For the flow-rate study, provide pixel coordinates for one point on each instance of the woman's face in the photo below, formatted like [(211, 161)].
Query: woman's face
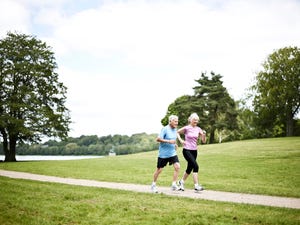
[(194, 122)]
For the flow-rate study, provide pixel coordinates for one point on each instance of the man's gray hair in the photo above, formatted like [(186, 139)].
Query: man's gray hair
[(173, 117)]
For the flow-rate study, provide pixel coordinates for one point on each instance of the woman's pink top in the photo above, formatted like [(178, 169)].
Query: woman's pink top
[(191, 135)]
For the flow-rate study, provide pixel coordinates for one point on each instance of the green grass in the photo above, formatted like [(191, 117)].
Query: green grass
[(40, 203), (266, 166), (263, 166)]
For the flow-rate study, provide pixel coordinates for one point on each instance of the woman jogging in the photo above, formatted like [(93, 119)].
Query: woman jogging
[(191, 133)]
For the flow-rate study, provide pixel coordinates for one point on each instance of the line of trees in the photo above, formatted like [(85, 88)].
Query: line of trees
[(91, 145)]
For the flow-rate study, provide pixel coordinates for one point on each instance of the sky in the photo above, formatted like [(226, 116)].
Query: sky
[(124, 62)]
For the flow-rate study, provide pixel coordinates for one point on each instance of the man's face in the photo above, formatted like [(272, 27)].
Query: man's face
[(174, 123)]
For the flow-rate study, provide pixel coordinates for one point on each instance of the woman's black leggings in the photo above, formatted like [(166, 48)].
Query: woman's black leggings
[(191, 156)]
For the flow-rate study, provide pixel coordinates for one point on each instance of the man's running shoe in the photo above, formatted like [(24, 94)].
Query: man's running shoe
[(174, 187), (154, 188), (181, 185), (198, 188)]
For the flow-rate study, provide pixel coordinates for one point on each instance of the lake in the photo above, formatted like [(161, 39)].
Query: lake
[(51, 157)]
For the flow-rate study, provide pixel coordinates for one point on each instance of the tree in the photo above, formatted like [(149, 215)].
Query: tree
[(246, 118), (215, 104), (277, 92), (88, 140), (180, 107), (211, 102), (31, 97)]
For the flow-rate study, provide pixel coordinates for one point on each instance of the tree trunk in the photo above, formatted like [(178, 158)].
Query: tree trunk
[(10, 156), (10, 150), (289, 125), (5, 142), (212, 136)]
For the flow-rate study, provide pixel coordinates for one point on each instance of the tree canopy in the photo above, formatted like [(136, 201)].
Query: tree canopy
[(213, 104), (32, 100), (277, 92)]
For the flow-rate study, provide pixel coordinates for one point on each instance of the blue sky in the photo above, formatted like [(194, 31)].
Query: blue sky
[(124, 62)]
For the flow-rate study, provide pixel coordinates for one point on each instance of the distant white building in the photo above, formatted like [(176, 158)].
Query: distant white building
[(112, 152)]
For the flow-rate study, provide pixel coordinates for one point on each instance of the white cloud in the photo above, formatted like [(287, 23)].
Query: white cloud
[(103, 104), (13, 17)]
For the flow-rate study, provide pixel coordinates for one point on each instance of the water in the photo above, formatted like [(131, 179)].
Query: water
[(51, 157)]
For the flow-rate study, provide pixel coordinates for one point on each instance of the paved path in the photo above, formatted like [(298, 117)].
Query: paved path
[(206, 194)]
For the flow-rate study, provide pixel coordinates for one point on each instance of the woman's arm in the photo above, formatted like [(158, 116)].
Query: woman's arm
[(180, 131), (203, 136)]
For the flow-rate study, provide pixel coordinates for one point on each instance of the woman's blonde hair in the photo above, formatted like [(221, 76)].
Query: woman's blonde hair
[(193, 116)]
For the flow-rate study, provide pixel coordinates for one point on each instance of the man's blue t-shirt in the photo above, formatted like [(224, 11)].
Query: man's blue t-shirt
[(167, 150)]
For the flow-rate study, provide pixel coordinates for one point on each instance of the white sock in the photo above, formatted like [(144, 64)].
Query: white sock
[(153, 183), (174, 183)]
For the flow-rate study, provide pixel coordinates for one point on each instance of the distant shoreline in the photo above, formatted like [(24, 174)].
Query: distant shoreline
[(51, 157)]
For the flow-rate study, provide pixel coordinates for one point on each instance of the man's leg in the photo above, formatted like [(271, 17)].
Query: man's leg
[(176, 171), (156, 174)]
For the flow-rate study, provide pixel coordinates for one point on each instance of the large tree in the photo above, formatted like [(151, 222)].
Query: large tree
[(32, 100), (216, 105), (211, 102), (277, 92)]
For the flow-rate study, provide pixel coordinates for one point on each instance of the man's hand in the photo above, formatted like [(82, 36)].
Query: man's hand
[(172, 141)]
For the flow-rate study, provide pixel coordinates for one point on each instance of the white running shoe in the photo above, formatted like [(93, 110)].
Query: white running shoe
[(181, 185), (199, 187), (174, 187), (154, 188)]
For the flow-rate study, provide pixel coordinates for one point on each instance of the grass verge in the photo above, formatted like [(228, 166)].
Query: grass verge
[(33, 203)]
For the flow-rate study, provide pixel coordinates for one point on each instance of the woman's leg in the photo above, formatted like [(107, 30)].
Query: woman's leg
[(191, 157), (188, 167)]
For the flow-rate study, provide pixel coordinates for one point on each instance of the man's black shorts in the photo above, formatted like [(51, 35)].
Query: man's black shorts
[(162, 162)]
